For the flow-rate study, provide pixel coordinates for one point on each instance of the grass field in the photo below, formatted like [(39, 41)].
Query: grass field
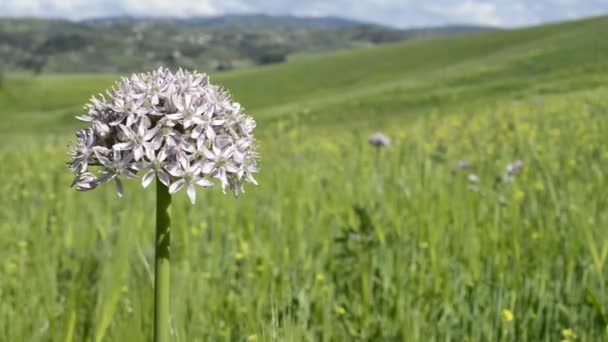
[(340, 242)]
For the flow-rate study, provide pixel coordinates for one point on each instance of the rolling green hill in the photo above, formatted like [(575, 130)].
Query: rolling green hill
[(391, 81), (124, 44)]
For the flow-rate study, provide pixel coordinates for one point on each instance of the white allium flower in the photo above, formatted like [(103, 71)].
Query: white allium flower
[(177, 127), (514, 168), (464, 164), (379, 140), (473, 178)]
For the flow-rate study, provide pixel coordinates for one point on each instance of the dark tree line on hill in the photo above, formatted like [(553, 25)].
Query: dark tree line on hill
[(128, 44)]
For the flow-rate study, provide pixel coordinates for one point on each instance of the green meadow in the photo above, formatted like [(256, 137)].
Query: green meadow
[(341, 241)]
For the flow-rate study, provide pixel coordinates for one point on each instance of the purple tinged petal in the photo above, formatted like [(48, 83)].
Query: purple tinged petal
[(154, 144), (170, 141), (126, 130), (231, 168), (175, 171), (162, 155), (222, 141), (196, 169), (150, 154), (157, 141), (118, 120), (197, 131), (250, 178), (175, 187), (175, 116), (221, 175), (84, 118), (216, 150), (141, 128), (184, 162), (142, 111), (178, 103), (188, 148), (130, 119), (191, 193), (208, 154), (208, 167), (164, 177), (147, 178), (129, 174), (151, 133), (138, 152), (104, 161), (123, 146), (210, 133), (204, 182)]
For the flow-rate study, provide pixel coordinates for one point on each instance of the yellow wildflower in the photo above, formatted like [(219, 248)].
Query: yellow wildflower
[(507, 315), (195, 232), (539, 186), (341, 311), (569, 335), (320, 277), (519, 195)]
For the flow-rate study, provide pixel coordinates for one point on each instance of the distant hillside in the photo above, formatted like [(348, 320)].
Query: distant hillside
[(249, 21), (393, 82), (125, 44)]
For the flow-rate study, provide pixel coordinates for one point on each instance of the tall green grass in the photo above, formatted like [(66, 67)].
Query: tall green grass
[(340, 242)]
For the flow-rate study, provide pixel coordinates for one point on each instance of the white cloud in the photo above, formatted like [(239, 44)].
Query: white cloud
[(78, 9), (469, 11), (402, 13), (22, 7), (170, 8)]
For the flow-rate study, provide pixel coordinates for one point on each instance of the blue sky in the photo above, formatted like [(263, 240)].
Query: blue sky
[(399, 13)]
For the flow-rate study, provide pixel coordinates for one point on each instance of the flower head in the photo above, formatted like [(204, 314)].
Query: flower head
[(514, 168), (568, 335), (464, 164), (379, 140), (177, 127), (507, 315)]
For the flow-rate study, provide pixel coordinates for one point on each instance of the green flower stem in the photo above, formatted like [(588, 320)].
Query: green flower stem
[(162, 275)]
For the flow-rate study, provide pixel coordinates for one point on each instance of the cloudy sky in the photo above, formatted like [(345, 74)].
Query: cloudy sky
[(399, 13)]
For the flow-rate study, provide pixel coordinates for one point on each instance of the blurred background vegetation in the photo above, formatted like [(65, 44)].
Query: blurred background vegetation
[(215, 43)]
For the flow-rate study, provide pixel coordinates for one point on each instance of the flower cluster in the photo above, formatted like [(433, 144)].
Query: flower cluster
[(514, 168), (464, 164), (177, 127), (379, 140)]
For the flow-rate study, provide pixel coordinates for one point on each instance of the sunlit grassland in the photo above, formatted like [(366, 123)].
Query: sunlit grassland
[(340, 242), (435, 261)]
